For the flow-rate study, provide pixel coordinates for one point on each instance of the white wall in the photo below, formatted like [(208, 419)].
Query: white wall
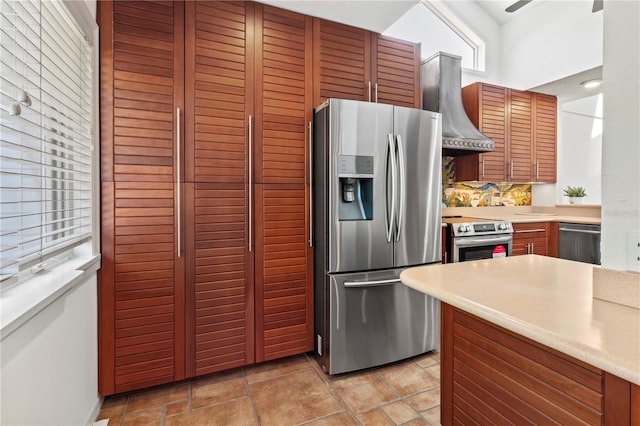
[(50, 364), (580, 148), (487, 29), (554, 40), (621, 137)]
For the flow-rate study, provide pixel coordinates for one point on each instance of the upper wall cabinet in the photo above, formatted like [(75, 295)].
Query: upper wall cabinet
[(545, 136), (352, 63), (396, 71), (523, 126)]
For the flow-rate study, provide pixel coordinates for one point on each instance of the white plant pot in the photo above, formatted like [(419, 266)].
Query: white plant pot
[(575, 200)]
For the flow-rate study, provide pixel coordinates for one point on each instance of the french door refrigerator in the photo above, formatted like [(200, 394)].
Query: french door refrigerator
[(376, 205)]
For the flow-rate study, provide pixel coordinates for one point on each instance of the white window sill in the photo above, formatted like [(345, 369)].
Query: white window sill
[(21, 302)]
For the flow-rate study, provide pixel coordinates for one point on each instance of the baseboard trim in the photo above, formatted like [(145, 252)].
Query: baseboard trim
[(93, 414)]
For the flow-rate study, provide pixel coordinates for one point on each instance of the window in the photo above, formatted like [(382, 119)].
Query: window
[(439, 30), (46, 136)]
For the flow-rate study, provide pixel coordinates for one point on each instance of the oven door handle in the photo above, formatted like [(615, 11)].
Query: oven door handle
[(470, 241)]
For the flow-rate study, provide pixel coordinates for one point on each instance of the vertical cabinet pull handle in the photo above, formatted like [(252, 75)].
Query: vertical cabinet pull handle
[(250, 183), (369, 91), (376, 92), (310, 184), (178, 184), (511, 171), (482, 167)]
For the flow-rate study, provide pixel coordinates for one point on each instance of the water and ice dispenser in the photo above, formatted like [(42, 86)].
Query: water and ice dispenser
[(356, 187)]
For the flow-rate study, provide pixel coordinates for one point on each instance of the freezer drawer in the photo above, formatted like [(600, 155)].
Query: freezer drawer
[(373, 319)]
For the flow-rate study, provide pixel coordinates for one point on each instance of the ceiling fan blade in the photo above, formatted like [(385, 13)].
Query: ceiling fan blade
[(517, 5), (597, 5)]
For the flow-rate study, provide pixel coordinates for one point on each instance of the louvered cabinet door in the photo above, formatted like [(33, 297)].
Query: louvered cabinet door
[(141, 309), (283, 95), (219, 279), (284, 290), (396, 72), (342, 62), (545, 135), (487, 108), (283, 284), (520, 136), (218, 90), (219, 106)]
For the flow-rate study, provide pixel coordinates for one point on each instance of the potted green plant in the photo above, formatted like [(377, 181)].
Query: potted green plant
[(575, 194)]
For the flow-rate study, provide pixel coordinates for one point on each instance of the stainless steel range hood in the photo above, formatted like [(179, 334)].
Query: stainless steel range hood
[(441, 79)]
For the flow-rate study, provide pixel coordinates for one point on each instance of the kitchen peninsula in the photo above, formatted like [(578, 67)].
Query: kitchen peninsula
[(523, 340)]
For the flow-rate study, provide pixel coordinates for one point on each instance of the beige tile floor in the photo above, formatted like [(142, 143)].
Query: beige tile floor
[(291, 391)]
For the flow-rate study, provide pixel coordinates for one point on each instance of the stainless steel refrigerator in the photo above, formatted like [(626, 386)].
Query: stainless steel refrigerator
[(376, 205)]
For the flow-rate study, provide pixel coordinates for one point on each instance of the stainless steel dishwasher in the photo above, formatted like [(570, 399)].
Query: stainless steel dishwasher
[(579, 242)]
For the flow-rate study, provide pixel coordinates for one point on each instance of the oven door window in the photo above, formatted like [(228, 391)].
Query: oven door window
[(482, 252)]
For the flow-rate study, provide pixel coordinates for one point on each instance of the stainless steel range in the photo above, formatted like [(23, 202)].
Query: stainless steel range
[(473, 238)]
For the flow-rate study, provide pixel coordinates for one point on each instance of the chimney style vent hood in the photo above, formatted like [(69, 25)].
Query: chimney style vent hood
[(441, 79)]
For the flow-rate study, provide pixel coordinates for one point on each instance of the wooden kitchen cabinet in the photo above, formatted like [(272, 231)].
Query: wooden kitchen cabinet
[(352, 63), (531, 238), (283, 266), (523, 126), (487, 107), (251, 99), (396, 71), (545, 138), (283, 271), (188, 142), (493, 375), (141, 281)]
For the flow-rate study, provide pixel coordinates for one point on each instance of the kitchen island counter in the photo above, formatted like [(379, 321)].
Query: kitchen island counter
[(545, 299), (524, 342)]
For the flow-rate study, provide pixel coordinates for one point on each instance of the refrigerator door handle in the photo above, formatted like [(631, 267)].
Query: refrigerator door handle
[(391, 160), (402, 185), (370, 283)]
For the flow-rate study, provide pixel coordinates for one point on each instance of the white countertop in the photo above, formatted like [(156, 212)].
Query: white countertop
[(546, 299), (585, 214), (542, 217)]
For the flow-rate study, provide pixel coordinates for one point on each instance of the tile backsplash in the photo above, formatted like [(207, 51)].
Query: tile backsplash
[(480, 194)]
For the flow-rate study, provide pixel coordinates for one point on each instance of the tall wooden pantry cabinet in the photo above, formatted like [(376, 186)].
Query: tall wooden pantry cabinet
[(205, 136), (207, 264)]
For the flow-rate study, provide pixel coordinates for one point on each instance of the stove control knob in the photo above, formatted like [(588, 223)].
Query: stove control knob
[(502, 226), (463, 228)]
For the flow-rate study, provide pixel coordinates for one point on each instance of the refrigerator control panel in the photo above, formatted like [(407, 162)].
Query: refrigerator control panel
[(355, 166)]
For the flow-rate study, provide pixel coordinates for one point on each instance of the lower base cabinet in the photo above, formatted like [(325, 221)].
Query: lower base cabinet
[(283, 271), (493, 376), (531, 238), (249, 301)]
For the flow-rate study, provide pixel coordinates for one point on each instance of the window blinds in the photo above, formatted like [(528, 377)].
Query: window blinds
[(45, 151)]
